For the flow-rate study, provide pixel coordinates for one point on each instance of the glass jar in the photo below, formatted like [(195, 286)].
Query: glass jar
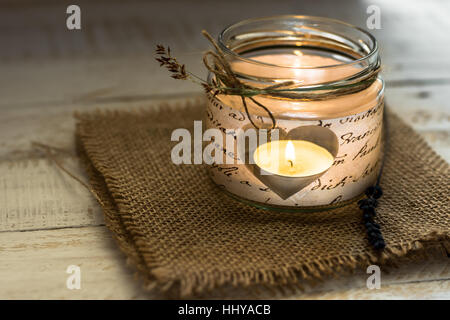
[(331, 96)]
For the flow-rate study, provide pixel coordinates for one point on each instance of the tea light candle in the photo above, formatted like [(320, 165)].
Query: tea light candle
[(295, 158)]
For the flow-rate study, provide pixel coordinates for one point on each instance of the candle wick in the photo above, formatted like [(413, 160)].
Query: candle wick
[(291, 163)]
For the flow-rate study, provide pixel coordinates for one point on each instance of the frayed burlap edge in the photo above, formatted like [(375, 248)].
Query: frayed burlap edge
[(433, 243)]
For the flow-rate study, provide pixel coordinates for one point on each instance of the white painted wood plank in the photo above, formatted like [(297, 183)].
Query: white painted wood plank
[(427, 110), (43, 62), (34, 267), (403, 24), (34, 192), (438, 290), (58, 82)]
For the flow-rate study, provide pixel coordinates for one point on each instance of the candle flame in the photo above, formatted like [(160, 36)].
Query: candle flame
[(289, 152)]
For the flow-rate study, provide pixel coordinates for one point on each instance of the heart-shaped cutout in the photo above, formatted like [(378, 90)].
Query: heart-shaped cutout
[(286, 186)]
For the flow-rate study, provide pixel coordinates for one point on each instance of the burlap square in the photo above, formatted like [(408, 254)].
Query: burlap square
[(184, 235)]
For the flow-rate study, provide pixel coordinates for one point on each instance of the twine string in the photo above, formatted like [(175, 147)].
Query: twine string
[(48, 151), (229, 84), (224, 74)]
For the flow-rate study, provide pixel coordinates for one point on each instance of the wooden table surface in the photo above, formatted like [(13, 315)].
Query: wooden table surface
[(48, 221)]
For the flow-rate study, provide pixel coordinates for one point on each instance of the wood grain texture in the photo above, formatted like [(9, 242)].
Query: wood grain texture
[(48, 221), (43, 62), (34, 266)]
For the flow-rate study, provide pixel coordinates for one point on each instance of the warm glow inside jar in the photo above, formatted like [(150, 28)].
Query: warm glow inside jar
[(330, 115)]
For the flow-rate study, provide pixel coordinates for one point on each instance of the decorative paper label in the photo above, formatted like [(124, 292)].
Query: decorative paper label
[(354, 169)]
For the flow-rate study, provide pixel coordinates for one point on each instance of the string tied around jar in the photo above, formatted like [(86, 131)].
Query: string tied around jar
[(233, 86), (226, 82)]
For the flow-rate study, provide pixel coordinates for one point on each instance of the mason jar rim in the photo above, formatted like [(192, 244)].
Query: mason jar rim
[(221, 41)]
